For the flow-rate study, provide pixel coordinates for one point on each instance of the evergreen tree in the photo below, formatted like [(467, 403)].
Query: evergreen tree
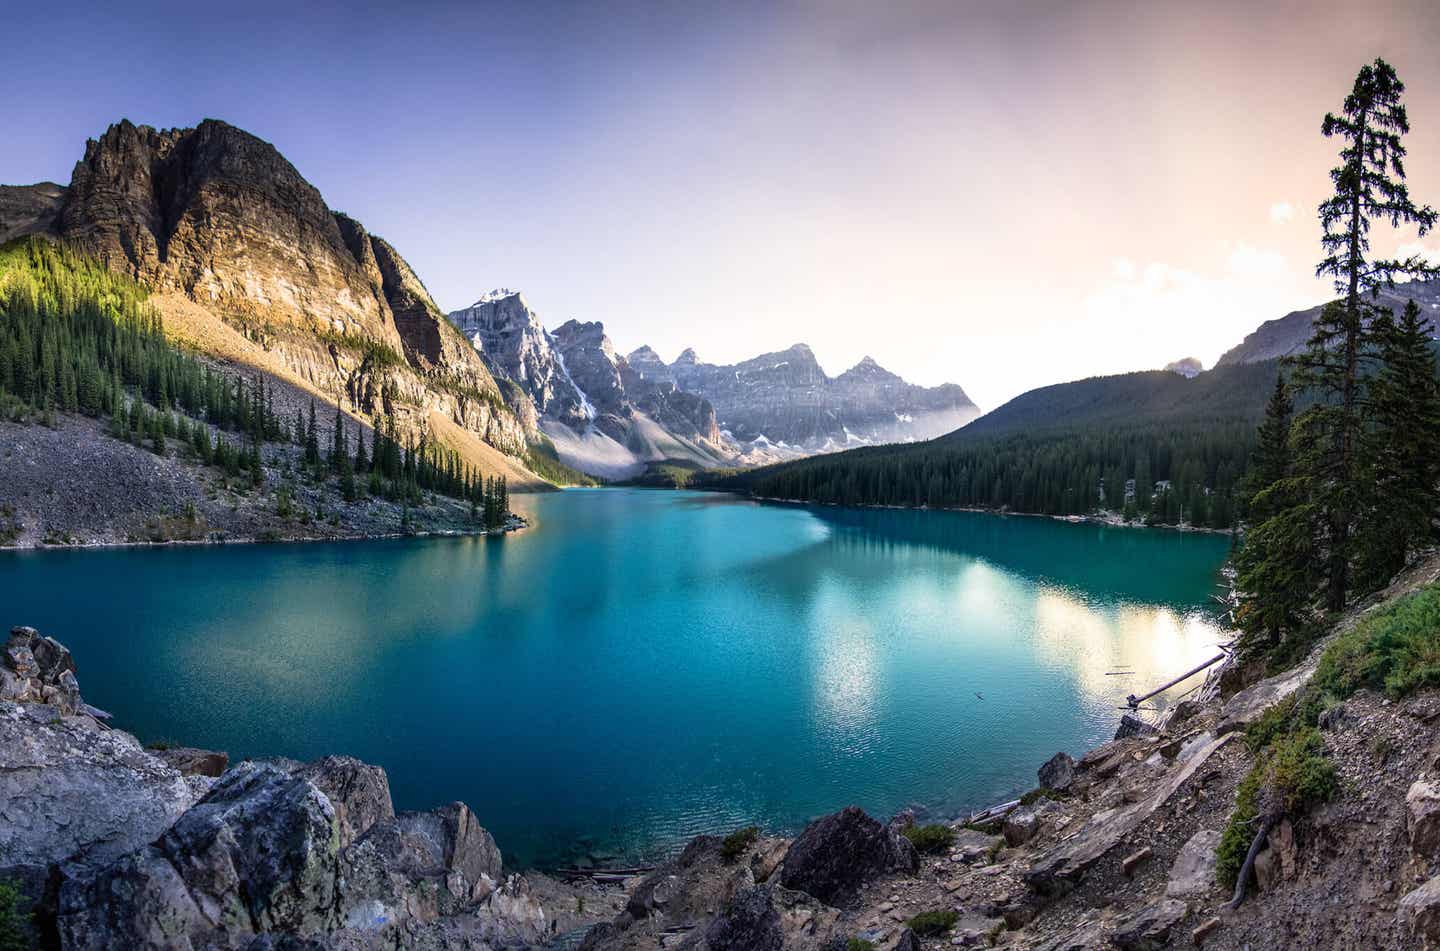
[(1275, 567), (1369, 184), (1403, 446), (312, 440)]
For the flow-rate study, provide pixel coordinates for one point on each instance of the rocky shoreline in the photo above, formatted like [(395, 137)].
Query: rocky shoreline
[(71, 485), (118, 846)]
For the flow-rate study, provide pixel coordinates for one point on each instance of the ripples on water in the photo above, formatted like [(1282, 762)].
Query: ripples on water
[(642, 666)]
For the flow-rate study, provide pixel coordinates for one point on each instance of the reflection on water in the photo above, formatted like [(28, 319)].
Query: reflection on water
[(1123, 648), (642, 666)]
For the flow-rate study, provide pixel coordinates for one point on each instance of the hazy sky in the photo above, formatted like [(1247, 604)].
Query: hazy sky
[(1003, 195)]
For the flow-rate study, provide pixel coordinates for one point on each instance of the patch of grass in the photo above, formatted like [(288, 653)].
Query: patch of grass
[(734, 845), (859, 944), (1395, 650), (930, 839), (929, 924), (993, 827)]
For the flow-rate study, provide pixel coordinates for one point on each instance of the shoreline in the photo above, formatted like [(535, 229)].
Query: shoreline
[(520, 523), (1109, 519)]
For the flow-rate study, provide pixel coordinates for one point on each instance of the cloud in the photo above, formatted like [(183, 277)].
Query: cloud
[(1147, 314), (1282, 212), (1429, 255)]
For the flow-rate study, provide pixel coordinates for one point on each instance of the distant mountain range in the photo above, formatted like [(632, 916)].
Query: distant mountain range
[(610, 415), (249, 265), (1287, 335)]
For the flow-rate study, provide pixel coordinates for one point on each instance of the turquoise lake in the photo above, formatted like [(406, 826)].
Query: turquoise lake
[(640, 666)]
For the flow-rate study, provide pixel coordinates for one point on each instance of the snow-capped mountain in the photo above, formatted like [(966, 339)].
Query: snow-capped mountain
[(603, 417), (785, 400)]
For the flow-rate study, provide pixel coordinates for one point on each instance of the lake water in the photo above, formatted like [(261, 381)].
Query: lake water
[(641, 666)]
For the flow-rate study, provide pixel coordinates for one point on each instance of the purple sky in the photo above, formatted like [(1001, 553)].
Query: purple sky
[(1004, 195)]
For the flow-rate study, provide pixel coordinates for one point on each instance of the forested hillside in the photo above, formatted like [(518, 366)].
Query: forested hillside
[(75, 337), (1152, 445)]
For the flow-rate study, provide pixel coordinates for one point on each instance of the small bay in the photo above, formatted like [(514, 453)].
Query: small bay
[(640, 666)]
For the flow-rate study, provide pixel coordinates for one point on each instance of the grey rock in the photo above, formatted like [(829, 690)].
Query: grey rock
[(1193, 872), (1058, 772), (1422, 818), (971, 845), (359, 792), (750, 922), (1150, 927), (1131, 725), (834, 855), (1020, 827), (258, 854), (1419, 912), (72, 792)]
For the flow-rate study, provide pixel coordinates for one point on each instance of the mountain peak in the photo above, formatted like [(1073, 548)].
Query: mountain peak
[(499, 293), (687, 357), (1188, 367)]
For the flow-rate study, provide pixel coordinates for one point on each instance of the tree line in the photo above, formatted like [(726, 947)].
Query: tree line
[(1341, 493), (78, 338)]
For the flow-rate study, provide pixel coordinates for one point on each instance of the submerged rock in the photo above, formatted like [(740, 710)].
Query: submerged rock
[(838, 853)]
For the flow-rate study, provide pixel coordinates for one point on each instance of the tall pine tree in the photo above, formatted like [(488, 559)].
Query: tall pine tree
[(1369, 185)]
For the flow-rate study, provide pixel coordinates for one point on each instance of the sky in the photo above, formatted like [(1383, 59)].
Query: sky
[(1002, 195)]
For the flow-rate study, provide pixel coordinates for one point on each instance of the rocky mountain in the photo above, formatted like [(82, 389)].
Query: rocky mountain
[(1188, 367), (603, 416), (28, 209), (785, 400), (249, 264), (1287, 335)]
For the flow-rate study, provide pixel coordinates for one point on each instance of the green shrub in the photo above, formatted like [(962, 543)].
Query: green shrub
[(1235, 840), (931, 838), (928, 924), (859, 944), (1035, 795), (734, 845), (14, 923), (1395, 649), (1296, 771)]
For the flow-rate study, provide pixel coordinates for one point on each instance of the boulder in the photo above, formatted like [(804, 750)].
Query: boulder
[(750, 922), (1193, 872), (1131, 725), (1422, 820), (1058, 772), (1150, 927), (72, 792), (36, 669), (1020, 826), (838, 853), (258, 854), (359, 792), (434, 861), (189, 761), (1248, 705), (971, 845), (1419, 913)]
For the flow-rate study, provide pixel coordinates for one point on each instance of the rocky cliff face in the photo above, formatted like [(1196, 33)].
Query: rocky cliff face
[(786, 399), (503, 328), (219, 217), (1288, 335)]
